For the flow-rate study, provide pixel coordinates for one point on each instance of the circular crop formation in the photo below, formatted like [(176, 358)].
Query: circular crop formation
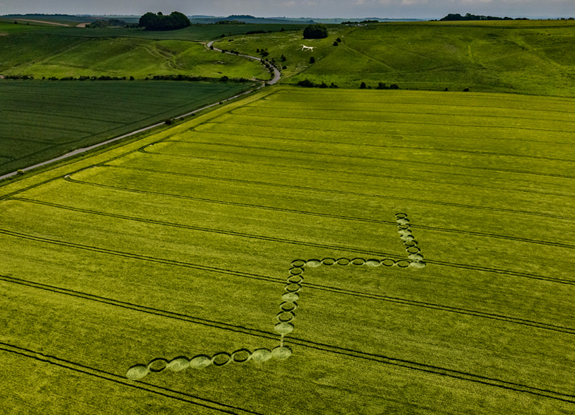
[(287, 308), (413, 251), (202, 361)]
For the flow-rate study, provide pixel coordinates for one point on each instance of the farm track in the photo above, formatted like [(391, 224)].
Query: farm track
[(362, 157), (316, 214), (349, 218), (273, 239), (435, 149), (337, 111), (111, 377), (367, 133), (434, 370), (411, 122), (336, 192), (435, 104), (417, 180), (281, 240), (273, 336)]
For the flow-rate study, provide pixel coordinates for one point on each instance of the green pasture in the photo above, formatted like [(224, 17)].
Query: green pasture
[(528, 57), (390, 252), (194, 33), (42, 119), (52, 55)]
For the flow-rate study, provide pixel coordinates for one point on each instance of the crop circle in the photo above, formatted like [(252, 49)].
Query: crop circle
[(178, 364), (261, 355), (241, 356), (328, 261), (137, 372), (290, 297), (313, 263), (388, 262), (295, 271), (358, 261), (221, 359), (284, 328), (343, 261), (298, 263), (295, 279), (285, 316), (293, 288), (200, 362), (281, 352), (404, 263), (157, 365), (373, 263), (288, 306)]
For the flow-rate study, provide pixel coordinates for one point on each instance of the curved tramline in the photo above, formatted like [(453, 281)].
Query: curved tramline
[(288, 306)]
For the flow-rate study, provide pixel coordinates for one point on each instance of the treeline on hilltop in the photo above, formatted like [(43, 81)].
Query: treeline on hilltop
[(101, 24), (173, 21), (469, 16)]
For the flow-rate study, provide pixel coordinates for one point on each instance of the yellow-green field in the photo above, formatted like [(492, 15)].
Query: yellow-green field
[(315, 251)]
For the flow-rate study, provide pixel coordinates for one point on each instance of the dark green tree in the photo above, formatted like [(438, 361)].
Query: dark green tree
[(174, 21), (315, 31)]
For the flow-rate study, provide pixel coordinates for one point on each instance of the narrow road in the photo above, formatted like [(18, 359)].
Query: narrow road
[(276, 78), (103, 143), (277, 73)]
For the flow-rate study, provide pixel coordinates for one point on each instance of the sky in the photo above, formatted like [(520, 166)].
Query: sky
[(423, 9)]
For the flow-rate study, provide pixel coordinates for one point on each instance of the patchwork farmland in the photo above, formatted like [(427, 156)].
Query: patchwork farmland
[(302, 251), (41, 120)]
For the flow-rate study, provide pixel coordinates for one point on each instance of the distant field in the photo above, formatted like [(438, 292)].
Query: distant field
[(533, 57), (41, 120), (391, 252), (195, 33), (53, 55)]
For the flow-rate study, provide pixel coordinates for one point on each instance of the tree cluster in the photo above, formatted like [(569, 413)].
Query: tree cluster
[(315, 31), (174, 21), (469, 16), (229, 22), (306, 83), (101, 24)]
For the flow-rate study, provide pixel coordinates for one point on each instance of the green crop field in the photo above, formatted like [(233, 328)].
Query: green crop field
[(41, 119), (527, 57), (54, 55), (304, 252)]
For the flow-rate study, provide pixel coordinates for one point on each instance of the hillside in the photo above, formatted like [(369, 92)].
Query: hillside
[(53, 55), (530, 57)]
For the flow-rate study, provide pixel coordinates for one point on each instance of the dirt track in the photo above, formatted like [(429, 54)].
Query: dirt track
[(42, 21)]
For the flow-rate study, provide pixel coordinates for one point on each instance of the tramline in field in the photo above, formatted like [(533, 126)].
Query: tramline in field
[(286, 316), (171, 252)]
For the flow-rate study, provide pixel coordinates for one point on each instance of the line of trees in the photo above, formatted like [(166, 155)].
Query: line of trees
[(173, 21), (469, 16)]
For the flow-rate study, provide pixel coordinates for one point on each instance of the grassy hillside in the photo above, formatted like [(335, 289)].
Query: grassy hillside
[(50, 55), (535, 57), (389, 251), (40, 120)]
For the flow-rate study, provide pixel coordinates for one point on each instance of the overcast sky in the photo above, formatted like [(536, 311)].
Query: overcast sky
[(428, 9)]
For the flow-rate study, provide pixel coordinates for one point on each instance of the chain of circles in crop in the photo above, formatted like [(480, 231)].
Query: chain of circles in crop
[(286, 315)]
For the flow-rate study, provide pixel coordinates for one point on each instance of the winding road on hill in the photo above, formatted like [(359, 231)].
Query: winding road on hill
[(277, 73), (276, 78)]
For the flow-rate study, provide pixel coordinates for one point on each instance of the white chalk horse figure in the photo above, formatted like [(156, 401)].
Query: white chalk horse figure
[(306, 48)]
